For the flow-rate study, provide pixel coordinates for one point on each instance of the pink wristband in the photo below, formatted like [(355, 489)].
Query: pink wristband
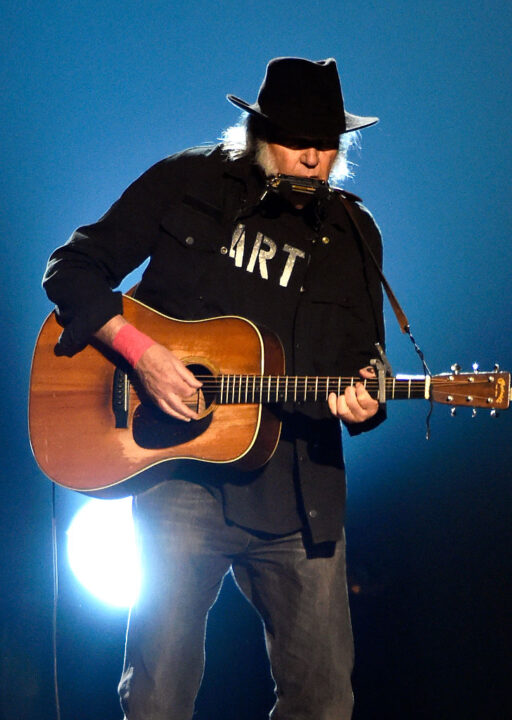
[(131, 343)]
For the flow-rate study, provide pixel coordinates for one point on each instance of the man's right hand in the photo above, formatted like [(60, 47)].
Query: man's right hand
[(167, 381), (164, 377)]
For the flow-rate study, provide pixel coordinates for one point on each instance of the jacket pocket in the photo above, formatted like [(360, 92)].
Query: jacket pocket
[(186, 262), (192, 230)]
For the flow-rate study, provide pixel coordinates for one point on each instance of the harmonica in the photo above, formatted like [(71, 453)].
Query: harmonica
[(287, 185)]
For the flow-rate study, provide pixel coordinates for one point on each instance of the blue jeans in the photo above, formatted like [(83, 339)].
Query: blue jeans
[(187, 547)]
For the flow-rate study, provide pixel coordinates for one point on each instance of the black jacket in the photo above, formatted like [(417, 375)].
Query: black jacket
[(309, 280)]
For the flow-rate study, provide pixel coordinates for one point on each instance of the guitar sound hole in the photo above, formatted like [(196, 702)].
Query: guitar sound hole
[(153, 429)]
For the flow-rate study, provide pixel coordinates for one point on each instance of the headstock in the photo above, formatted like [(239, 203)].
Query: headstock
[(476, 389)]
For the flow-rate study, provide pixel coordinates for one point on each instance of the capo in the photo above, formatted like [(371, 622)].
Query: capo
[(383, 369)]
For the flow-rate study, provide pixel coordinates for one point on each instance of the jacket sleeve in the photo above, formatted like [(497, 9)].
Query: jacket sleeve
[(82, 274)]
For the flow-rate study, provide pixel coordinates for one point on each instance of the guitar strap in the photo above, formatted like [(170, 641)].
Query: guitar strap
[(397, 308)]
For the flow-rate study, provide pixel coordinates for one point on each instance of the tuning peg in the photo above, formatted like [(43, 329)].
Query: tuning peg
[(453, 411), (494, 413), (475, 367), (473, 412), (455, 368), (496, 367)]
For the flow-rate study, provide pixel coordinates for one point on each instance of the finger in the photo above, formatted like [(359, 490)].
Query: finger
[(357, 405), (339, 408), (350, 403), (182, 408), (180, 381), (363, 397), (180, 388), (187, 376), (332, 401), (167, 409), (175, 406)]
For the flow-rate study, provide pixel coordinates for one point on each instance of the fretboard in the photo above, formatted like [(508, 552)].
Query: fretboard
[(238, 389)]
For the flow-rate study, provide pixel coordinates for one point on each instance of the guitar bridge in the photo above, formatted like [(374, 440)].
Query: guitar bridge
[(120, 398)]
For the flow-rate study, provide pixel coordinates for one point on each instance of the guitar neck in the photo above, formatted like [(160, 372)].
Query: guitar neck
[(233, 389), (477, 389)]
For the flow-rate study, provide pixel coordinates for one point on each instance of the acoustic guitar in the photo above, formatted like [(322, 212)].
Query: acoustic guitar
[(92, 427)]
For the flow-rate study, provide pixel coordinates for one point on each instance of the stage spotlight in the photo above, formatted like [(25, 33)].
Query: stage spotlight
[(102, 551)]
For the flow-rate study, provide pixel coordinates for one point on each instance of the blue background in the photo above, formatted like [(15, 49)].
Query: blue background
[(95, 92)]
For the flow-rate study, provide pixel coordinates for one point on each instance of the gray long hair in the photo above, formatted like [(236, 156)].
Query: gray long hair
[(243, 139)]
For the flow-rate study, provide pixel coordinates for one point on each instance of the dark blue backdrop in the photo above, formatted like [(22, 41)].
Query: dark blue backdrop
[(93, 93)]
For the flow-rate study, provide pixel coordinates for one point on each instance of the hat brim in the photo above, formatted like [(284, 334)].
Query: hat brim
[(352, 122)]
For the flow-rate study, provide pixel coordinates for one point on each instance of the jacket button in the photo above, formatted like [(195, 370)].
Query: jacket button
[(326, 240), (312, 513), (302, 289), (223, 250), (189, 240)]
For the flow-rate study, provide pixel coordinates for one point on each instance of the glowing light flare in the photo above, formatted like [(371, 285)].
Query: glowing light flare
[(102, 551)]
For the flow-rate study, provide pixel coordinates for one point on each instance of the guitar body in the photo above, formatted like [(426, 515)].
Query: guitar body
[(73, 425)]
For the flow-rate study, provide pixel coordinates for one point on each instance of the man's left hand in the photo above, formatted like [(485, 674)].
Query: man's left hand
[(356, 404)]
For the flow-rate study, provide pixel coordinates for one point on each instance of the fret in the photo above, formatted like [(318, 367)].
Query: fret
[(286, 389), (339, 386), (305, 387), (222, 389), (233, 387), (277, 390), (269, 381), (246, 386), (240, 389), (295, 391), (316, 389), (393, 390), (412, 386)]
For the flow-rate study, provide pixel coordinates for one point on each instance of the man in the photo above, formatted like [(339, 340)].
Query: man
[(222, 240)]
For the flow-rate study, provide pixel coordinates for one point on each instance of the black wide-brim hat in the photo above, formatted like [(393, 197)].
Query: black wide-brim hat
[(303, 98)]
